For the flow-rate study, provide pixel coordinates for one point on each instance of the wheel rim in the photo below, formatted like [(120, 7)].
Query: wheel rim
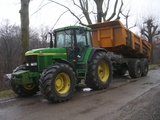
[(62, 83), (29, 86), (103, 71), (139, 69)]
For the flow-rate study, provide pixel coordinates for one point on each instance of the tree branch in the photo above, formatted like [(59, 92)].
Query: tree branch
[(154, 30), (76, 5), (85, 11), (59, 18), (40, 8), (114, 12), (118, 17), (80, 22), (106, 11)]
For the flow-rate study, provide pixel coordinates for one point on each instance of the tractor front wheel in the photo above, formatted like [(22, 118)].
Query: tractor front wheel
[(23, 90), (57, 82)]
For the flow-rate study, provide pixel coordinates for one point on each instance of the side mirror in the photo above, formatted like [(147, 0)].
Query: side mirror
[(49, 37)]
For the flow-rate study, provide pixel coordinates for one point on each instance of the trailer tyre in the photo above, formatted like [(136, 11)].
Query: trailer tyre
[(57, 82), (145, 67), (99, 73), (23, 90), (135, 68)]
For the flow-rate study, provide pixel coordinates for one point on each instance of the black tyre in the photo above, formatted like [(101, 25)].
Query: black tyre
[(99, 73), (145, 67), (23, 90), (57, 82), (135, 68)]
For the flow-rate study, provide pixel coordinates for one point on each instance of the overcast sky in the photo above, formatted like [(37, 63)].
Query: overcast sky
[(48, 15)]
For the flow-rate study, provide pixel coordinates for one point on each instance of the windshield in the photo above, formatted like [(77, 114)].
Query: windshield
[(64, 38), (83, 38)]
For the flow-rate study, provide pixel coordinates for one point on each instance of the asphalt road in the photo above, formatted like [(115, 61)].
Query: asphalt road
[(126, 99)]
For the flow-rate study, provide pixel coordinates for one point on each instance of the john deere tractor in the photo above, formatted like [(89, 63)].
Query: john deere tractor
[(57, 70)]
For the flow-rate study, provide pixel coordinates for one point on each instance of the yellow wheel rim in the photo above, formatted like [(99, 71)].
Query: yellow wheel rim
[(29, 86), (103, 71), (62, 83)]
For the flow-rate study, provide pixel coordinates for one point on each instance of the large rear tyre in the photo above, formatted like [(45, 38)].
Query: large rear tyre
[(57, 82), (99, 73), (145, 67), (23, 90), (135, 68)]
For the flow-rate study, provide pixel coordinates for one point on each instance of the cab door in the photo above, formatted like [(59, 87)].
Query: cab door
[(83, 42)]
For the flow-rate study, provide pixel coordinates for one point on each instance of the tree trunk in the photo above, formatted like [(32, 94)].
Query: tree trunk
[(24, 16), (99, 4)]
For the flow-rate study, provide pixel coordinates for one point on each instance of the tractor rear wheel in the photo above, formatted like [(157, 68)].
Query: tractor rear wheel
[(23, 90), (135, 68), (99, 73), (57, 82)]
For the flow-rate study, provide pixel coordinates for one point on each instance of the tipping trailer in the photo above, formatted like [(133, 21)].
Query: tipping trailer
[(114, 37), (75, 54), (134, 50)]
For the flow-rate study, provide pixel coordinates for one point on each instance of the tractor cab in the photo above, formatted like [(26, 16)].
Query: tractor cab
[(75, 39)]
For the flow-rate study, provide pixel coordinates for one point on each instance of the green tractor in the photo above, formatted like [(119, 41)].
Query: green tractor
[(57, 70)]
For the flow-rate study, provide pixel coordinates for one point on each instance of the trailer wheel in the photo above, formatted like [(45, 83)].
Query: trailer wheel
[(99, 73), (23, 90), (57, 82), (135, 68), (145, 67)]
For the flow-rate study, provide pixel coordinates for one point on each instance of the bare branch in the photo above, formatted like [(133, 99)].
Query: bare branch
[(118, 17), (132, 26), (154, 30), (80, 22), (114, 12), (76, 4), (84, 9), (40, 8), (106, 11), (59, 19)]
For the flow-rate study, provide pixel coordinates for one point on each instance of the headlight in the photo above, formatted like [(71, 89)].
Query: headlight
[(33, 64), (27, 64)]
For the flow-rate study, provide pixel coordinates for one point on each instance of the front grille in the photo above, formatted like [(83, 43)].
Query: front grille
[(29, 60)]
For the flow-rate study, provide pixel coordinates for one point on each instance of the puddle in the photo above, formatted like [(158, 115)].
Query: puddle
[(86, 89)]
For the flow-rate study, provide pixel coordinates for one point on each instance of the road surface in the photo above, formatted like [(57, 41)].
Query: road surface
[(126, 99)]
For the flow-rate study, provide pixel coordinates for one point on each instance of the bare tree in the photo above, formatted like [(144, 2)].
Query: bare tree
[(37, 38), (24, 15), (150, 30), (156, 49), (101, 10), (9, 46)]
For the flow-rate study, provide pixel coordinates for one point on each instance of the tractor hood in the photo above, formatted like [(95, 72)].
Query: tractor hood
[(46, 51)]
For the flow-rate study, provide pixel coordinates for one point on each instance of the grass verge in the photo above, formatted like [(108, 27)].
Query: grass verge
[(153, 66), (6, 93)]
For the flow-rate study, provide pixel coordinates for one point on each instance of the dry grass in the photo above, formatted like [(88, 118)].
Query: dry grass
[(6, 93), (154, 66)]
